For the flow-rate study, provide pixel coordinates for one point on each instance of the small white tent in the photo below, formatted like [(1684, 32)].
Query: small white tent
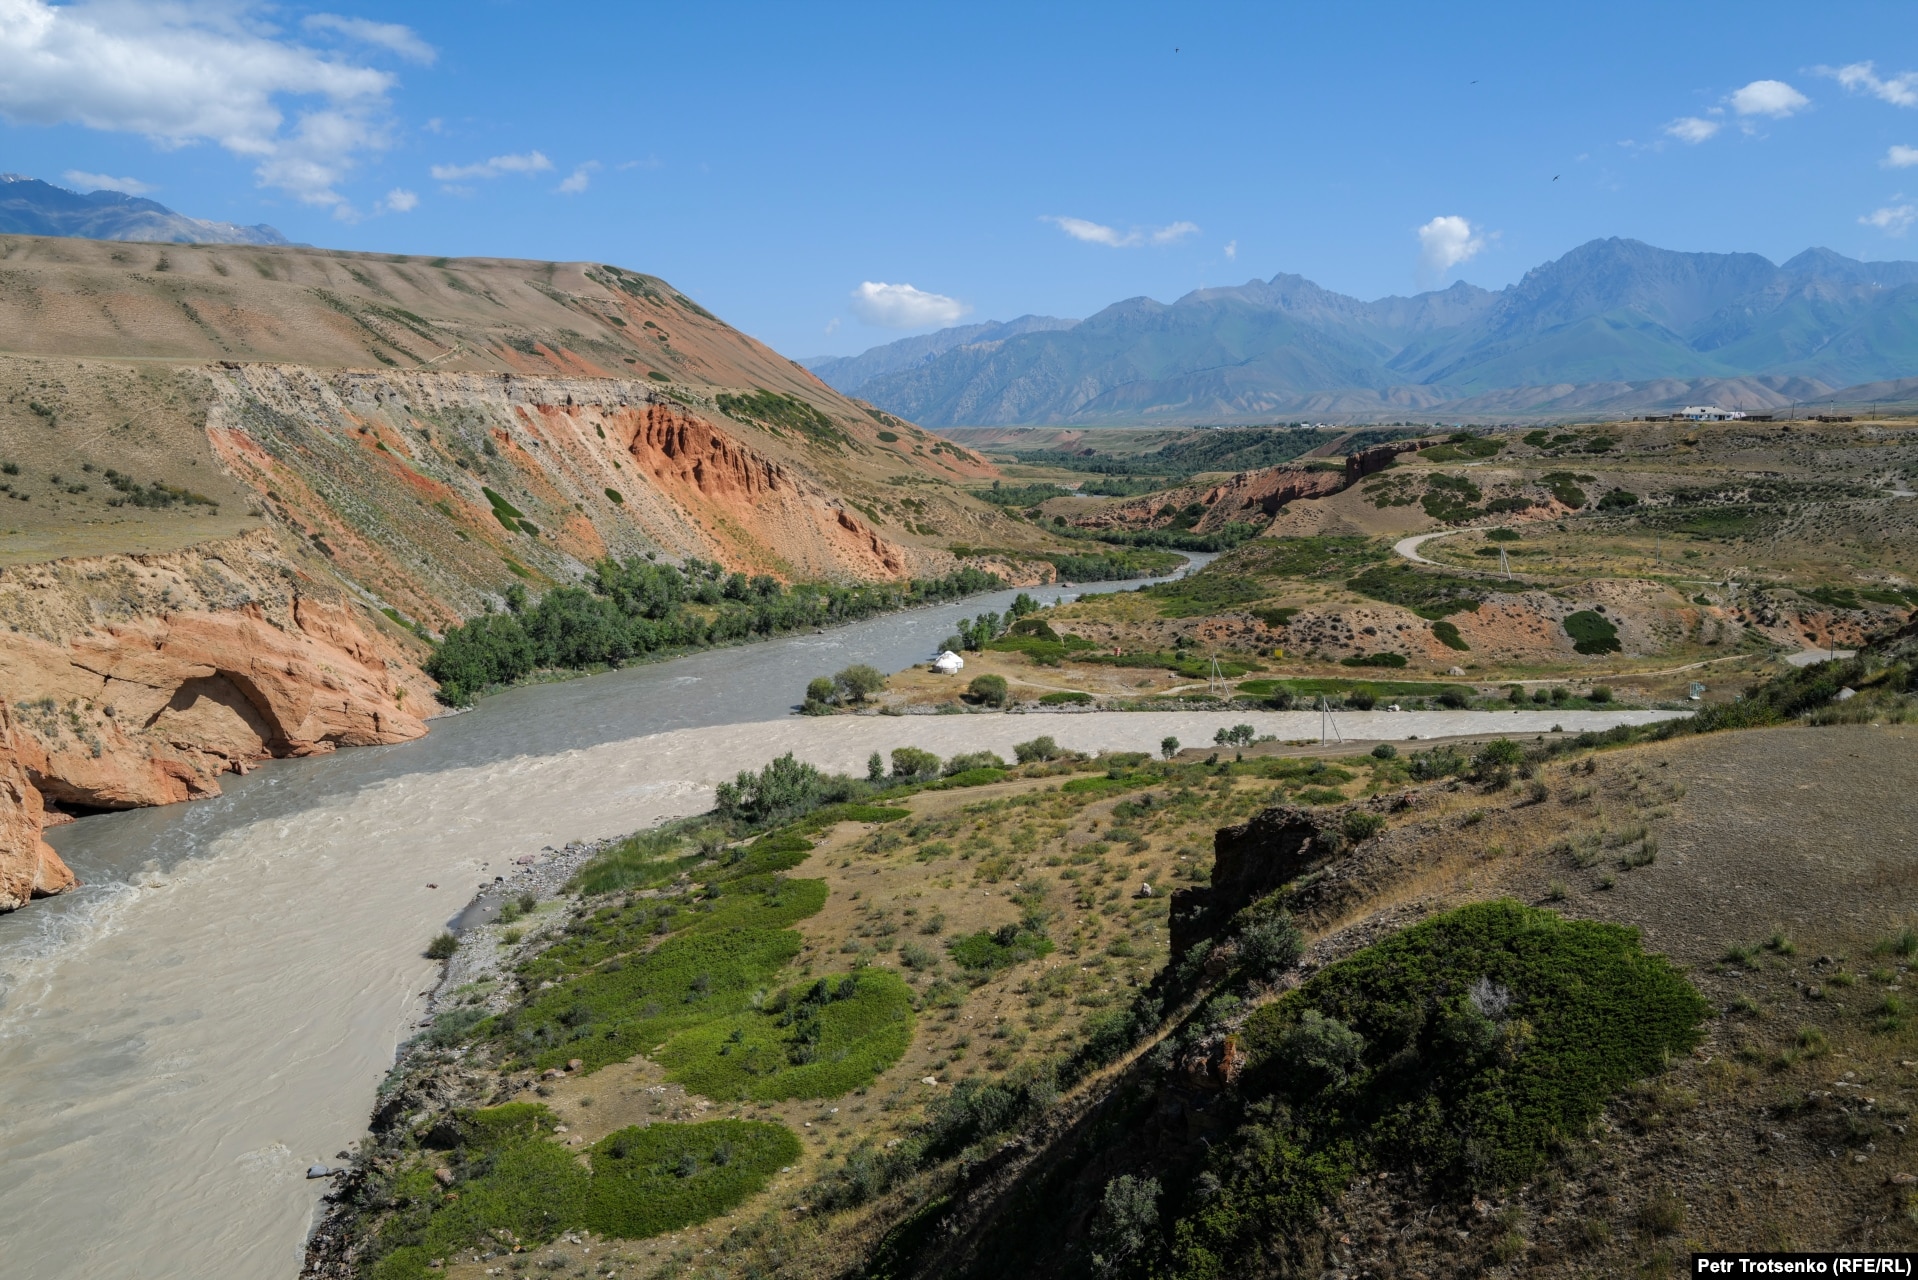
[(948, 663)]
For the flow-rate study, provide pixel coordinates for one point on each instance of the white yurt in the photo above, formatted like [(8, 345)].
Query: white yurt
[(948, 663)]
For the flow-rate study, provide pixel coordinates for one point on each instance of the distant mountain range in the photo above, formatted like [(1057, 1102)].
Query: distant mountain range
[(846, 372), (30, 207), (1614, 326)]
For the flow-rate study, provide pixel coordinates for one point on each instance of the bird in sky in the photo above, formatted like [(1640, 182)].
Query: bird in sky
[(1555, 177)]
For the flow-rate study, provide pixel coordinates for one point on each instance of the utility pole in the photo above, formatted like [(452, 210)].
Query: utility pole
[(1505, 566), (1215, 685), (1327, 722)]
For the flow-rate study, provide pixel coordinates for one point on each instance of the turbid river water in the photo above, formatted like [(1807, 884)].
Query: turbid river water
[(212, 1012)]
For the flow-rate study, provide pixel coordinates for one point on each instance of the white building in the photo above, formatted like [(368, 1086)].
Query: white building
[(1708, 413), (948, 663)]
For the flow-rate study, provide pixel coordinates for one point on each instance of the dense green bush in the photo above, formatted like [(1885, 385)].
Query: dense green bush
[(1448, 635), (989, 690), (442, 947), (817, 1041), (1591, 633), (858, 682), (1463, 1049), (1360, 825), (1065, 698), (997, 949), (1040, 748), (510, 1177), (1268, 948), (911, 762)]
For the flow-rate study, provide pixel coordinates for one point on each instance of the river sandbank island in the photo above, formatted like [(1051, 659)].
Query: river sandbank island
[(727, 1019)]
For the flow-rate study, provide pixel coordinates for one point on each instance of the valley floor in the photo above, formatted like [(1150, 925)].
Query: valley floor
[(292, 944)]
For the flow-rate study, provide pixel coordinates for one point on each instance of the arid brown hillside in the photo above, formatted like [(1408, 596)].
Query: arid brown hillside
[(234, 480)]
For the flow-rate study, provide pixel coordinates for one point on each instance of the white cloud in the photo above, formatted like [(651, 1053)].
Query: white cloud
[(181, 74), (83, 181), (497, 167), (1900, 90), (1445, 242), (1231, 249), (400, 200), (1692, 129), (900, 306), (390, 36), (1901, 157), (1113, 238), (1893, 219), (579, 179), (1772, 98)]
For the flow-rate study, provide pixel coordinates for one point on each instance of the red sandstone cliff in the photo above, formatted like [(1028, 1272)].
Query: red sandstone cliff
[(107, 705)]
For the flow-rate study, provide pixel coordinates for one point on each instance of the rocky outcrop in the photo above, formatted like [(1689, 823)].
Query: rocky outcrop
[(1248, 862), (1250, 497), (1368, 461), (29, 868), (139, 680)]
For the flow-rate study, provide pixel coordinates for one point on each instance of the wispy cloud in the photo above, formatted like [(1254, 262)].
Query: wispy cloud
[(1900, 90), (1445, 242), (83, 181), (1113, 238), (497, 167), (178, 74), (1900, 157), (390, 36), (1893, 220), (579, 179), (900, 306), (399, 200), (1692, 129), (1231, 249), (1772, 98)]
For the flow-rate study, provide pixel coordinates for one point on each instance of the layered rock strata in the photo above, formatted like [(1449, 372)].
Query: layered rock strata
[(139, 680)]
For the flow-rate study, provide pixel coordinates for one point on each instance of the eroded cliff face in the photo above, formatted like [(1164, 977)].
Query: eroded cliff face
[(1250, 497), (433, 492), (138, 680)]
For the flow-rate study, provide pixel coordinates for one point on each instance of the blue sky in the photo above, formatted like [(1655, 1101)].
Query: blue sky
[(781, 163)]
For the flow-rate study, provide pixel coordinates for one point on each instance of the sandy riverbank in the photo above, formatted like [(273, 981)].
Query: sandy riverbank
[(167, 1078)]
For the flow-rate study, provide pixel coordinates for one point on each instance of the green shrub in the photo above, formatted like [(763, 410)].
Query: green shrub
[(817, 1041), (442, 947), (1039, 749), (615, 497), (911, 762), (639, 1182), (1385, 751), (858, 682), (1465, 1048), (1168, 747), (1125, 1229), (1448, 635), (1064, 698), (1374, 660), (1499, 753), (1591, 633), (1359, 825), (997, 949), (1270, 947), (988, 690)]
